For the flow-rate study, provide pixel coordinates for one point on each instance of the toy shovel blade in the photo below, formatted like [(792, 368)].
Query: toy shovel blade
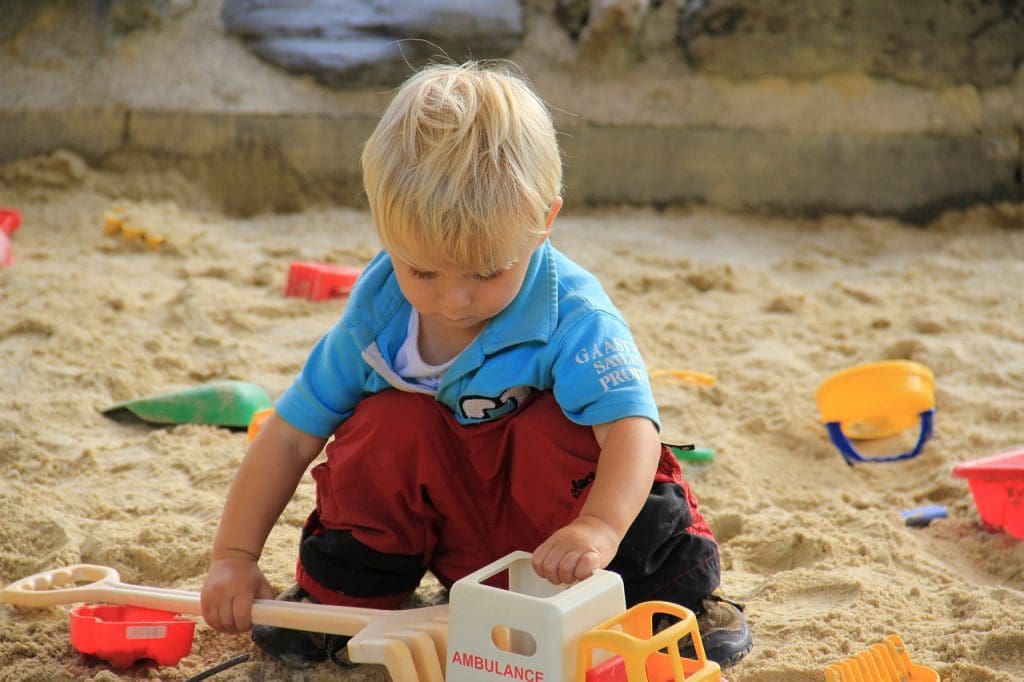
[(221, 403)]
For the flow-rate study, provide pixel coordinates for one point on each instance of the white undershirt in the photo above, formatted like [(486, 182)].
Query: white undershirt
[(411, 366)]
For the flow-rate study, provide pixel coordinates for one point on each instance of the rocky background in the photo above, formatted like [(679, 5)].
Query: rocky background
[(900, 109), (349, 43)]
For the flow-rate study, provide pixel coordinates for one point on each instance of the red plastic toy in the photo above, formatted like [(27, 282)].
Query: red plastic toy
[(123, 635), (10, 221), (997, 484), (6, 257), (612, 670), (317, 281)]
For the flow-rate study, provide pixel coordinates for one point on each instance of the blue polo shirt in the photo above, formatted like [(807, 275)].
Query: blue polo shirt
[(561, 333)]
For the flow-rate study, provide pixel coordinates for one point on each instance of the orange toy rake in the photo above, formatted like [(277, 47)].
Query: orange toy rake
[(887, 661)]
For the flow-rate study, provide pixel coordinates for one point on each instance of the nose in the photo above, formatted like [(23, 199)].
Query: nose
[(454, 296)]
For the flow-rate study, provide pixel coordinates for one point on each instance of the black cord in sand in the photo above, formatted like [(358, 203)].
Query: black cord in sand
[(220, 667)]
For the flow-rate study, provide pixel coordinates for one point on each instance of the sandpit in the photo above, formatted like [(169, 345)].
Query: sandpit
[(769, 307)]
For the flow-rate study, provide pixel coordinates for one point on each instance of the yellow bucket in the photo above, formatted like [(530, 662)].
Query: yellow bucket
[(877, 400)]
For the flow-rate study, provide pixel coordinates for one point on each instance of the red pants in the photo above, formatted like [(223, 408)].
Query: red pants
[(406, 488)]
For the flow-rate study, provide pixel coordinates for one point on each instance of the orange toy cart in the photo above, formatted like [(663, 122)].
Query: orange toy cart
[(638, 654)]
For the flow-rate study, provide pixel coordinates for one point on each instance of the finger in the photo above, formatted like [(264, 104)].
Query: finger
[(241, 612), (266, 591), (211, 610), (548, 568), (586, 566), (537, 560), (227, 616), (205, 609), (567, 568)]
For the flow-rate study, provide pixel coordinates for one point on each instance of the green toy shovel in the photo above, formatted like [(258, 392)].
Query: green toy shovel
[(222, 403)]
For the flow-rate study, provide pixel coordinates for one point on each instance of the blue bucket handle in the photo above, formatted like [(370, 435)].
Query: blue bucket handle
[(846, 449)]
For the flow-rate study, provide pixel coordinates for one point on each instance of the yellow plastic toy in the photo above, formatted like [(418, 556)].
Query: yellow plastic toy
[(115, 221), (887, 661), (684, 375), (877, 400), (259, 418), (638, 654)]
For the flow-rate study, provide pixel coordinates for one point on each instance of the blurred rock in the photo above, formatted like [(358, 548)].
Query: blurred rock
[(612, 30), (572, 15), (126, 16), (920, 42), (16, 14), (350, 43)]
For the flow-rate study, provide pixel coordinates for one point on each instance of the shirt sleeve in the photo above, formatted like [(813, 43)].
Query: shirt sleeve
[(599, 374), (328, 387)]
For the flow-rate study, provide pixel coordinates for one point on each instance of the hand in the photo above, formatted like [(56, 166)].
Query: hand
[(575, 551), (231, 585)]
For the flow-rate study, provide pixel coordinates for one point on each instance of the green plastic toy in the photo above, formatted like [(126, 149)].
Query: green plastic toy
[(692, 454), (221, 403)]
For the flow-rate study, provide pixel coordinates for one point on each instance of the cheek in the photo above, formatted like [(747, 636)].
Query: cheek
[(504, 295), (415, 292)]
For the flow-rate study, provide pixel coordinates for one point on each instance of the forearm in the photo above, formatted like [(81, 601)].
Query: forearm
[(264, 483), (630, 450), (625, 470)]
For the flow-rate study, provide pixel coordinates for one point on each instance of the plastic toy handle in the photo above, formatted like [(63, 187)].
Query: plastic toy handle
[(684, 375), (60, 586), (101, 583), (850, 454), (91, 583)]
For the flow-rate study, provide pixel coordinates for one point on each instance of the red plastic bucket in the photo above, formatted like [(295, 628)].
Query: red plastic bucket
[(123, 635), (10, 221), (997, 485)]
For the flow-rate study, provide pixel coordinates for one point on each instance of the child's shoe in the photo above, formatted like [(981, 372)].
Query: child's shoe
[(298, 648), (723, 630)]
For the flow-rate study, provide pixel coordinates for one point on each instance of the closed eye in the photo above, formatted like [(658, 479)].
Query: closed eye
[(422, 274), (495, 274)]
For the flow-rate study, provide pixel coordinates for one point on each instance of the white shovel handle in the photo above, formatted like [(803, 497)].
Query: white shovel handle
[(91, 583)]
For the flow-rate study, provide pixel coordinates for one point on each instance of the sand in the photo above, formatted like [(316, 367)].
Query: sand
[(817, 550), (770, 307)]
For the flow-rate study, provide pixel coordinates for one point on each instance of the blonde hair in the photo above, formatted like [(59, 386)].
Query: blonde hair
[(462, 167)]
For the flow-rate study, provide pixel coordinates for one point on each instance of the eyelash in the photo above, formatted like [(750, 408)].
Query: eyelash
[(421, 274)]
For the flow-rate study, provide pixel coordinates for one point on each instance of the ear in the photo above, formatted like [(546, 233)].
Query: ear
[(556, 206)]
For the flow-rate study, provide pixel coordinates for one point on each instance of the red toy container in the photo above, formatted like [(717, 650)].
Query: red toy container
[(997, 484), (319, 281), (123, 635), (10, 221)]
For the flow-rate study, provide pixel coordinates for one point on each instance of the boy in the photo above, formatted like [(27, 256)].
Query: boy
[(483, 393)]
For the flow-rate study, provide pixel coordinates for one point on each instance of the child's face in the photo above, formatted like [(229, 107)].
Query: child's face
[(463, 301)]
